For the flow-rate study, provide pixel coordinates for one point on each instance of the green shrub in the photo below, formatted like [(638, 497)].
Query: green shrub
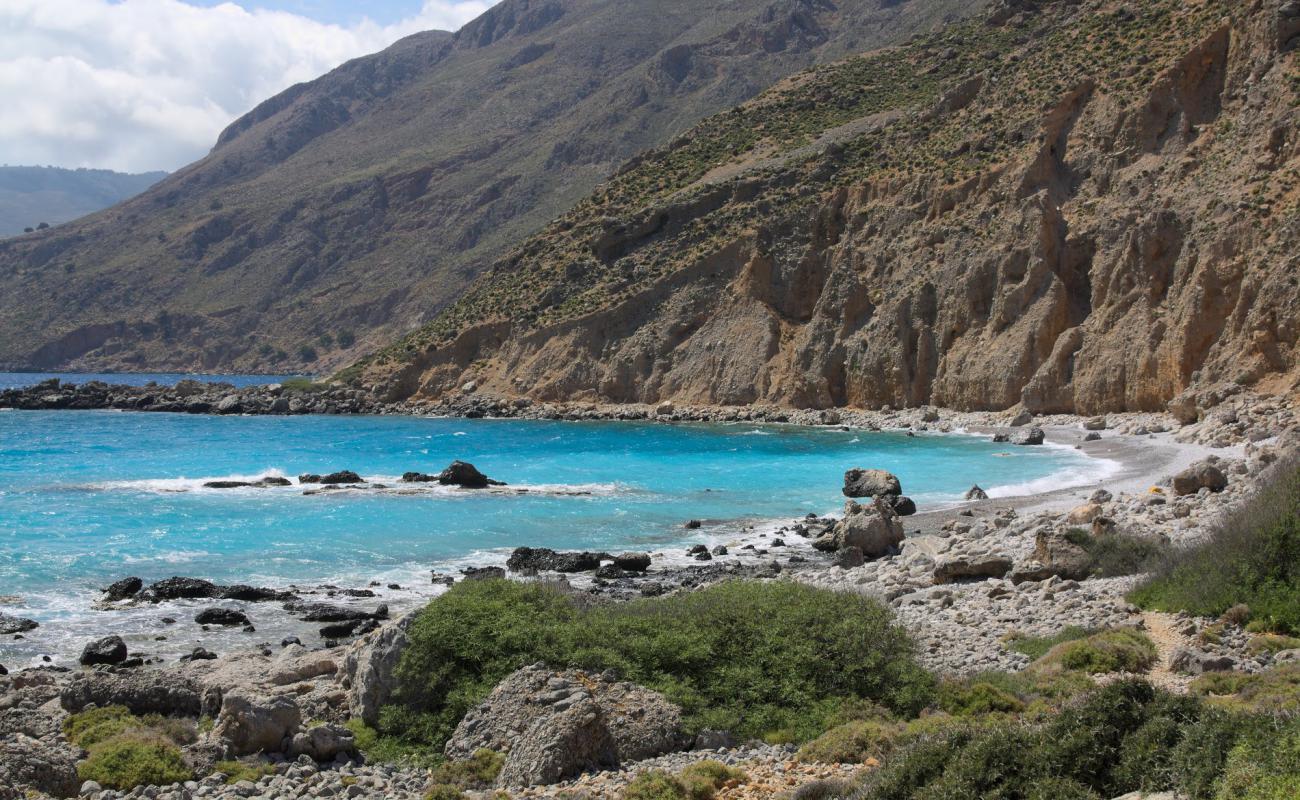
[(1119, 650), (442, 791), (1272, 643), (88, 728), (302, 385), (1252, 558), (1273, 690), (236, 771), (1264, 765), (751, 658), (656, 785), (476, 772), (851, 743), (703, 778), (1116, 554), (824, 789), (1037, 646), (382, 749), (965, 699), (130, 760)]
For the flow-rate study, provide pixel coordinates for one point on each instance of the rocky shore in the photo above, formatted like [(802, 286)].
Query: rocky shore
[(965, 581)]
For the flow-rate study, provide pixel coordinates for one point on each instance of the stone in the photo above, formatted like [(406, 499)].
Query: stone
[(250, 723), (849, 557), (108, 650), (1095, 424), (123, 589), (341, 477), (46, 767), (1092, 437), (555, 724), (1033, 436), (1084, 514), (177, 588), (1101, 496), (632, 562), (871, 483), (971, 568), (1197, 662), (466, 476), (976, 493), (323, 743), (10, 624), (903, 506), (326, 612), (544, 559), (1197, 477), (1022, 419), (873, 528), (199, 654), (221, 616), (483, 573), (370, 668), (141, 691), (1059, 556)]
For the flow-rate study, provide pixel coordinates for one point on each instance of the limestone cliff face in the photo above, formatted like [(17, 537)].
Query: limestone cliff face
[(1093, 210)]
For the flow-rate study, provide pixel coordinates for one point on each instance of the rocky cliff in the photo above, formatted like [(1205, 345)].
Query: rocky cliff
[(1078, 206), (344, 212)]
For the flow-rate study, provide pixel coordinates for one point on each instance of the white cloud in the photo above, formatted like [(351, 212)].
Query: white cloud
[(140, 85)]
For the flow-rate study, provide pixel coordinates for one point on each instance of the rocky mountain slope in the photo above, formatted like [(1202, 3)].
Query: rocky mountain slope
[(344, 212), (32, 195), (1080, 206)]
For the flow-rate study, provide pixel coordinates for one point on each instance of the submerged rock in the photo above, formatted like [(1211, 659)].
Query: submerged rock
[(221, 616)]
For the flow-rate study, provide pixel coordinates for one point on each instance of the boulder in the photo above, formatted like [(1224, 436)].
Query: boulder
[(177, 588), (1022, 419), (341, 477), (1084, 514), (556, 724), (483, 573), (903, 506), (1055, 555), (141, 691), (327, 612), (971, 568), (370, 667), (253, 594), (1101, 496), (108, 650), (1199, 476), (123, 589), (221, 616), (871, 483), (873, 528), (976, 493), (40, 766), (1095, 424), (1032, 436), (544, 559), (1196, 662), (466, 476), (10, 624), (1185, 407), (632, 562), (249, 723), (323, 743)]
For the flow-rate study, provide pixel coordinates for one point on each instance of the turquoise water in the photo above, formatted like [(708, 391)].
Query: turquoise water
[(17, 380), (89, 497)]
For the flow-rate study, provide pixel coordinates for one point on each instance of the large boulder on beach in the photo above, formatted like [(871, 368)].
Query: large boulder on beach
[(544, 559), (632, 562), (250, 723), (871, 483), (554, 725), (370, 668), (1032, 436), (466, 476), (971, 568), (10, 624), (108, 650), (141, 691), (1198, 477), (874, 528), (1054, 554)]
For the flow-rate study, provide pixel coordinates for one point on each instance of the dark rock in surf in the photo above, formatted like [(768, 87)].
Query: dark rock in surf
[(253, 594), (976, 493), (632, 562), (221, 616), (177, 588), (466, 476), (109, 650), (10, 624), (546, 559), (123, 589), (483, 573)]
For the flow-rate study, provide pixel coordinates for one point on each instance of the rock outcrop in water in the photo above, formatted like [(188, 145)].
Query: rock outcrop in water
[(1063, 207)]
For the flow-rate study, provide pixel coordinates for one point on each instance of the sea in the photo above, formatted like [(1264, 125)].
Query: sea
[(88, 497)]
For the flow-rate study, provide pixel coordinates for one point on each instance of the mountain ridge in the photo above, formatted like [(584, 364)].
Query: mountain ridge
[(34, 195), (348, 210), (1070, 206)]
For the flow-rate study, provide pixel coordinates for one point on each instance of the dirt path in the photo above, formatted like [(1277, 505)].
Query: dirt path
[(1162, 630)]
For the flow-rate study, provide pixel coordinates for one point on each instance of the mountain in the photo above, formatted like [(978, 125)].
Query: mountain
[(30, 196), (348, 210), (1074, 206)]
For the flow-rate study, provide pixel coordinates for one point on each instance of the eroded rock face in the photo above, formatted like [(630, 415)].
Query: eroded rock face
[(871, 483), (1113, 256), (552, 725), (141, 691), (370, 668), (27, 763)]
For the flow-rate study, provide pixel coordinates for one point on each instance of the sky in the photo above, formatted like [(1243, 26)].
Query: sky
[(142, 85)]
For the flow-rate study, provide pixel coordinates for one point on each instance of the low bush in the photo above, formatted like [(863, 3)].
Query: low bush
[(1116, 554), (1276, 689), (306, 385), (1252, 558), (971, 698), (1273, 643), (442, 791), (751, 658), (657, 785), (704, 778), (88, 728), (1037, 646), (1118, 650), (476, 772), (129, 760), (1264, 765), (852, 743), (236, 771)]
